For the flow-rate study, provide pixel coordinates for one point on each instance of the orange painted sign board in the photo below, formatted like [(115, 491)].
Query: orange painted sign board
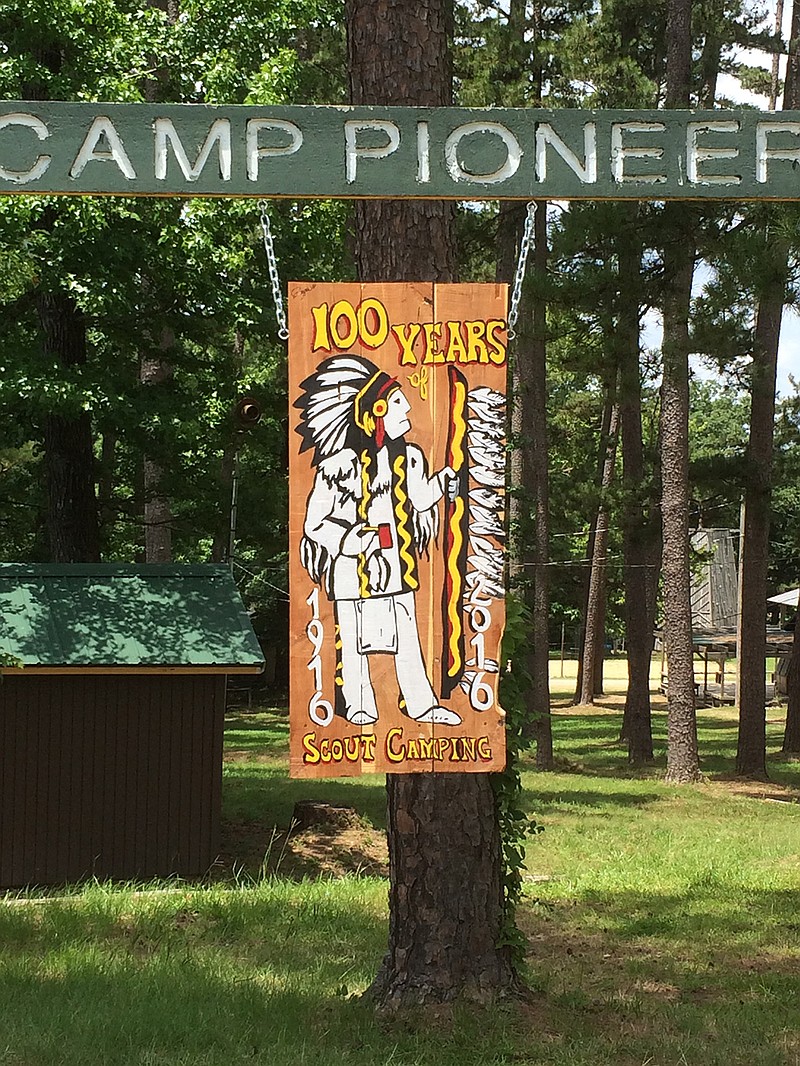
[(397, 475)]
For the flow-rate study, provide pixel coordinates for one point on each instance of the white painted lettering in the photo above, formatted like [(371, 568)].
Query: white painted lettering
[(102, 128), (353, 151), (620, 152), (699, 153), (764, 153), (41, 163), (256, 152), (423, 152), (219, 133), (586, 170), (503, 173)]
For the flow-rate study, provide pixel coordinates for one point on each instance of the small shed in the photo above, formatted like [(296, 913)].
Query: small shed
[(112, 697)]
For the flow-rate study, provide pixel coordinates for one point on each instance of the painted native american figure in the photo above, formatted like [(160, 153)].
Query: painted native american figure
[(371, 516)]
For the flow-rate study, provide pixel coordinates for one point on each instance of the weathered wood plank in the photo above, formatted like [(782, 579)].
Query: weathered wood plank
[(396, 473), (350, 152)]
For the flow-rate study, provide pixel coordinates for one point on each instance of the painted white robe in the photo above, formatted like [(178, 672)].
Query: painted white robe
[(374, 591)]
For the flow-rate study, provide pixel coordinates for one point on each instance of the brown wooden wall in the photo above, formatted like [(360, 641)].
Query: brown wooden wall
[(109, 776)]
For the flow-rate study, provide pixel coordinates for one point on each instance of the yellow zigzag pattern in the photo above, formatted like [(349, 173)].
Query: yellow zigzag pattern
[(363, 507), (403, 535)]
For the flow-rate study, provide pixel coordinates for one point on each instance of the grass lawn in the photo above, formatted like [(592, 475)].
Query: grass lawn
[(664, 928)]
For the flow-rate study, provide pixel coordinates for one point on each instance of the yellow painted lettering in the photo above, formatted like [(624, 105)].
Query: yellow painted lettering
[(325, 750), (442, 747), (394, 754), (432, 331), (469, 745), (497, 345), (368, 747), (373, 322), (322, 339), (310, 749), (412, 752), (343, 309), (456, 348), (351, 746), (484, 750), (476, 342), (337, 750), (426, 748), (405, 335)]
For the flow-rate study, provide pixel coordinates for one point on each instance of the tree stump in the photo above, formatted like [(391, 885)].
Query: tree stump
[(312, 813)]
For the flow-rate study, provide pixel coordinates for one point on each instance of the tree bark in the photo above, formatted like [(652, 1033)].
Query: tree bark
[(682, 756), (791, 735), (445, 868), (529, 520), (751, 752), (221, 542), (593, 619), (72, 520), (637, 532), (154, 371), (444, 894), (154, 366), (536, 409), (609, 405)]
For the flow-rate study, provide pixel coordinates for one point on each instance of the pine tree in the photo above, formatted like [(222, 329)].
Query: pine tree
[(445, 894)]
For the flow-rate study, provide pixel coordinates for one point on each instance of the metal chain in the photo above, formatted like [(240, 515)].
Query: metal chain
[(516, 289), (272, 266)]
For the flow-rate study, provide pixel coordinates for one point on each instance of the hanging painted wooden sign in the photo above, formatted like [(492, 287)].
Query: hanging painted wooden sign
[(397, 472), (448, 152)]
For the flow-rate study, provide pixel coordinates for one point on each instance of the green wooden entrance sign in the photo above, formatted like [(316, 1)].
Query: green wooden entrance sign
[(397, 152)]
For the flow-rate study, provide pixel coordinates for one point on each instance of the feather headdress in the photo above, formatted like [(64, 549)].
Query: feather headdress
[(337, 405)]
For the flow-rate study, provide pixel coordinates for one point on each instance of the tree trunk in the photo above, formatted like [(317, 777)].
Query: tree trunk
[(791, 736), (445, 867), (154, 366), (154, 371), (72, 521), (542, 728), (637, 533), (529, 519), (682, 758), (220, 546), (105, 484), (609, 405), (445, 895), (751, 752), (597, 573)]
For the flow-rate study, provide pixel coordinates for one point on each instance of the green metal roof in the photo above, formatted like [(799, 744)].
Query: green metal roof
[(107, 615)]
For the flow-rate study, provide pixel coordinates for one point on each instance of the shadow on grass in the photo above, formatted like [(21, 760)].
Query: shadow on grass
[(241, 978), (263, 975), (543, 799), (703, 975)]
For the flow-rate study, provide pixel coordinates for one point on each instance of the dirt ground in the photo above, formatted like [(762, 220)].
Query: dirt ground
[(250, 850)]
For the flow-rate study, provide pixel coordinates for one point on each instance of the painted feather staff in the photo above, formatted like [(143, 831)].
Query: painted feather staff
[(456, 526)]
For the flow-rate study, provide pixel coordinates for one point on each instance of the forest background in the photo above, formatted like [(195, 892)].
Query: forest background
[(130, 328)]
